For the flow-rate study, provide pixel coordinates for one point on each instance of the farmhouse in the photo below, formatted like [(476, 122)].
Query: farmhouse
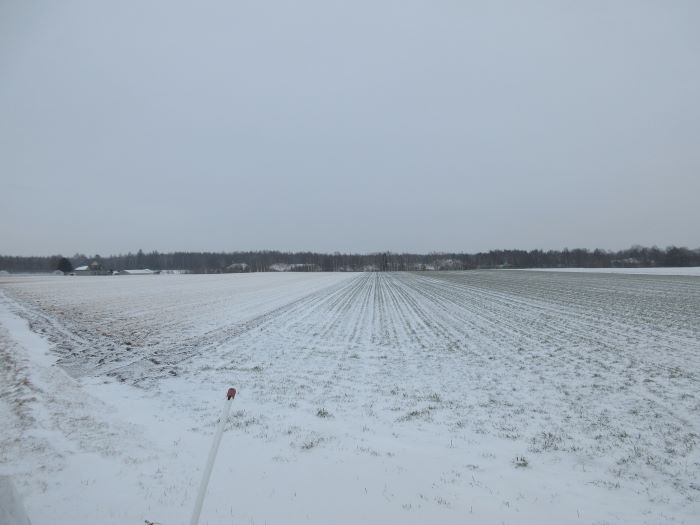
[(144, 271), (94, 268)]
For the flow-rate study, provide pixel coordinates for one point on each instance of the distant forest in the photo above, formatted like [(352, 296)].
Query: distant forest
[(264, 261)]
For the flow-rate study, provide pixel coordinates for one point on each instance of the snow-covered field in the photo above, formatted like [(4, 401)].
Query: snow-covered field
[(461, 397), (685, 270)]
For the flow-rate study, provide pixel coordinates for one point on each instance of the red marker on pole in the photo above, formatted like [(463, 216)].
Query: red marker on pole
[(212, 456)]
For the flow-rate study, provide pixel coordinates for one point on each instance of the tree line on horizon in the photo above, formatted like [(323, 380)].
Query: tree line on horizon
[(271, 260)]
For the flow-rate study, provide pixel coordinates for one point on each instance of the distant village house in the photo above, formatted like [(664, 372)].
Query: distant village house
[(94, 268)]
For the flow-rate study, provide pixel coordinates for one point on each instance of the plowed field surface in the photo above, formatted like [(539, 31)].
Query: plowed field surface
[(456, 397)]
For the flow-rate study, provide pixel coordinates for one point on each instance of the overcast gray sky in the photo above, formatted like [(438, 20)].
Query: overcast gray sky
[(351, 126)]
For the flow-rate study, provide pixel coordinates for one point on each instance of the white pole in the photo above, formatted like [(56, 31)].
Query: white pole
[(212, 456)]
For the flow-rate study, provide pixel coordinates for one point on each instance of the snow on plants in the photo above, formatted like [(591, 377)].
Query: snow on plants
[(456, 397)]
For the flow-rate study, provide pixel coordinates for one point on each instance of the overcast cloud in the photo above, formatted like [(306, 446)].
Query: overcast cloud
[(350, 126)]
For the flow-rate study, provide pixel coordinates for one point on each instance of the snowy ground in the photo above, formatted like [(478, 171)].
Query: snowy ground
[(460, 397), (669, 270)]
